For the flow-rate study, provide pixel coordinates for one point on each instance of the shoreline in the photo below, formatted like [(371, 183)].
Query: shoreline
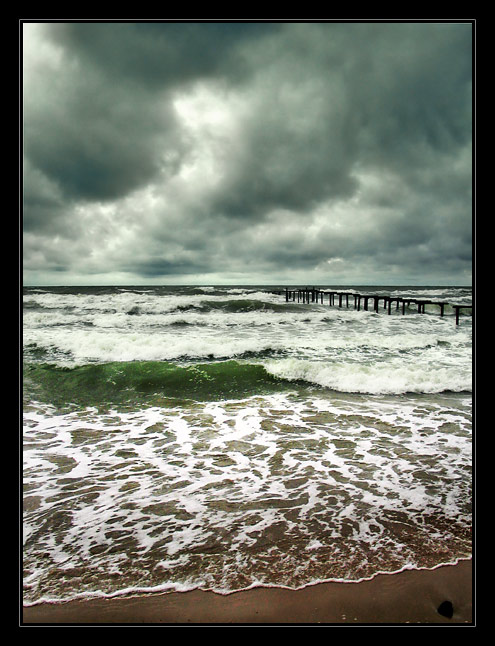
[(409, 596)]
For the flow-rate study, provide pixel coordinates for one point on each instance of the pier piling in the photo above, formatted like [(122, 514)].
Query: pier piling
[(315, 295)]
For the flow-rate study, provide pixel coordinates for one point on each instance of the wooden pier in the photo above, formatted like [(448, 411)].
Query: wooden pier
[(315, 295)]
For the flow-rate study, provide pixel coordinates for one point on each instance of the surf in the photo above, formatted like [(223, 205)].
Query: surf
[(141, 382)]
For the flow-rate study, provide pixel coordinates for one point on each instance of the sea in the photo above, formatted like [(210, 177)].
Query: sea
[(223, 438)]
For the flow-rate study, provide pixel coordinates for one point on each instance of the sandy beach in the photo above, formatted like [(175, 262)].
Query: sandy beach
[(411, 596)]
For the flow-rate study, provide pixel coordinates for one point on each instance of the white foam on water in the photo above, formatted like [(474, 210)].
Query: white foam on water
[(131, 326), (372, 462), (173, 481), (342, 345), (393, 377)]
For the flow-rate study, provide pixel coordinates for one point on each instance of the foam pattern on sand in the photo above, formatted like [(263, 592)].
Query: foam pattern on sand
[(273, 490)]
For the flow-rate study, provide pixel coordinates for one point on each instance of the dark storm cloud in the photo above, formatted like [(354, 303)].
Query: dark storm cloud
[(158, 55), (105, 125), (197, 148), (42, 202), (155, 267), (335, 96), (93, 136)]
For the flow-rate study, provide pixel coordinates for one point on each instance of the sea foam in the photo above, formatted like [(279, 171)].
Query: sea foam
[(395, 377)]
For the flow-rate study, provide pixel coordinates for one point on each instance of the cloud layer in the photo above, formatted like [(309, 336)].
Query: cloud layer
[(247, 152)]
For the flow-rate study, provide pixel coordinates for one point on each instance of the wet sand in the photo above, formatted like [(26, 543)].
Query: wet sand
[(407, 597)]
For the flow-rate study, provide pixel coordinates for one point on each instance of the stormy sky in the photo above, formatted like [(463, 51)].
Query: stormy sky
[(247, 153)]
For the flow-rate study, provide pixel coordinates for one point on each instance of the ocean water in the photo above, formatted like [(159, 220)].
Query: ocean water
[(222, 438)]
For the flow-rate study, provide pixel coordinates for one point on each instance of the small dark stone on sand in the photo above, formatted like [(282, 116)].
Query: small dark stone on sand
[(446, 609)]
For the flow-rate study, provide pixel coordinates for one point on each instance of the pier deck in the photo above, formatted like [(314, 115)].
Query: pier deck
[(315, 295)]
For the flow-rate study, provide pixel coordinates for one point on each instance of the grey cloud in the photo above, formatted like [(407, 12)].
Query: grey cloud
[(399, 98), (161, 55), (98, 142), (162, 267), (105, 125), (319, 107), (42, 203), (285, 165), (414, 91)]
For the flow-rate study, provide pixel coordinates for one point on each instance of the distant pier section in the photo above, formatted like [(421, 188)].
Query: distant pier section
[(365, 301)]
